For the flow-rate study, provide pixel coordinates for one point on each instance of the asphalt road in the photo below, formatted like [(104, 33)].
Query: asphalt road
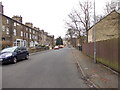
[(51, 69)]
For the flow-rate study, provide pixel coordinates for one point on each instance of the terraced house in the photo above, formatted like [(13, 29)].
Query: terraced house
[(15, 33)]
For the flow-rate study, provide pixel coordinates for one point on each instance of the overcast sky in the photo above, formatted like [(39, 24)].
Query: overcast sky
[(45, 14)]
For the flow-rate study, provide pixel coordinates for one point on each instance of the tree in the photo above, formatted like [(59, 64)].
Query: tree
[(59, 41), (80, 19), (110, 6), (70, 33)]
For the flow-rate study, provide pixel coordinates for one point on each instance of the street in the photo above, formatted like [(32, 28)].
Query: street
[(50, 69)]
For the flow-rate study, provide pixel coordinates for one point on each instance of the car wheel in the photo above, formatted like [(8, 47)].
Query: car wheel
[(27, 57), (14, 60)]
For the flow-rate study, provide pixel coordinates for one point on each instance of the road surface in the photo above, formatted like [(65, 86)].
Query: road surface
[(50, 69)]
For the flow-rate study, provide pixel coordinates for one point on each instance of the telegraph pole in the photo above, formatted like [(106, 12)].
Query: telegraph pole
[(95, 61)]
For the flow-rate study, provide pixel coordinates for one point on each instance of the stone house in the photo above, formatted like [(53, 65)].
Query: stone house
[(106, 28), (15, 33)]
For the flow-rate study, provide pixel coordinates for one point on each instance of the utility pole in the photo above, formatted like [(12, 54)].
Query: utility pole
[(95, 61)]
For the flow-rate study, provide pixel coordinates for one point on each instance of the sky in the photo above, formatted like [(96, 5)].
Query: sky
[(48, 15)]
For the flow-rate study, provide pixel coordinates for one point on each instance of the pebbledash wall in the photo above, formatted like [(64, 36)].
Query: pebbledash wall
[(15, 33), (107, 41)]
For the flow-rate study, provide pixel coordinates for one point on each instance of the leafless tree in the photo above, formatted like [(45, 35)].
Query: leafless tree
[(70, 34), (110, 6), (81, 18)]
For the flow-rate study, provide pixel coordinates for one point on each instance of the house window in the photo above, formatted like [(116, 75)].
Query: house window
[(15, 32), (3, 28), (33, 32), (26, 35), (30, 36), (7, 21), (26, 29), (3, 38), (30, 30), (21, 33), (14, 23), (7, 30), (18, 24), (33, 36)]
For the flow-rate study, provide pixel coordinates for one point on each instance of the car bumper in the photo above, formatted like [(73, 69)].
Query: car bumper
[(6, 60)]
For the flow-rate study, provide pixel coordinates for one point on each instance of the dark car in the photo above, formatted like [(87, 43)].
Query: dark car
[(13, 54)]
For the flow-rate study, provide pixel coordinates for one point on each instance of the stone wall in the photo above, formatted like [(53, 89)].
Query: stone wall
[(107, 28)]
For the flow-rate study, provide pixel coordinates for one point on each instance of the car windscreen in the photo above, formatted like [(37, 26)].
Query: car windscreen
[(11, 49)]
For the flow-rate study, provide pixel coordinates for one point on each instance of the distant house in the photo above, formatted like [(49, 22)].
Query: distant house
[(106, 28)]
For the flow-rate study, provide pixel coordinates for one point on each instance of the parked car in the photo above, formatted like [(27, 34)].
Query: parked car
[(13, 54), (56, 47), (61, 46)]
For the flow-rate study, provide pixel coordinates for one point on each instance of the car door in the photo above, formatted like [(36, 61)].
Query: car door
[(23, 52), (19, 55)]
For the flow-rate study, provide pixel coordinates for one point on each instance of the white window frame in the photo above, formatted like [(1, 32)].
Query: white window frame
[(15, 23), (7, 31), (3, 28), (35, 37), (30, 30), (15, 32), (30, 36), (33, 32), (7, 21), (21, 33), (26, 35)]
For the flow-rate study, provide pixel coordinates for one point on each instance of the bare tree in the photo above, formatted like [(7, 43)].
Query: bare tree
[(110, 6), (73, 22), (70, 34), (84, 15), (81, 18)]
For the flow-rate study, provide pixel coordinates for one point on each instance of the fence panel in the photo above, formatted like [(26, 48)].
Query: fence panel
[(106, 52)]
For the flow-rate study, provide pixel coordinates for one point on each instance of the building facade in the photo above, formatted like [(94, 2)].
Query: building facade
[(15, 33), (107, 28)]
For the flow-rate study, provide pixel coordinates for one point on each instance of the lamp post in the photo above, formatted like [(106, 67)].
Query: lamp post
[(95, 61)]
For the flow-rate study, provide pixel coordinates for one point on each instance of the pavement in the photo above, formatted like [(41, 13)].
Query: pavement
[(97, 74)]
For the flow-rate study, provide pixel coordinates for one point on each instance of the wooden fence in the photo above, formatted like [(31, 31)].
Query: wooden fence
[(107, 52)]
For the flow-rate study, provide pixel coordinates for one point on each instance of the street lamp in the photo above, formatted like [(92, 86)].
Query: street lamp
[(95, 61)]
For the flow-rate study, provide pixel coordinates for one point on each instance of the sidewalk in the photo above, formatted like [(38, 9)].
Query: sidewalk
[(101, 76)]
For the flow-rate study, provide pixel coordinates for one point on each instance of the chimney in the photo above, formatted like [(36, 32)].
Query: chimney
[(36, 28), (29, 24), (17, 18), (1, 8), (42, 31)]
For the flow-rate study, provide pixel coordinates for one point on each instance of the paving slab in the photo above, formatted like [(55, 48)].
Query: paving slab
[(101, 76)]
